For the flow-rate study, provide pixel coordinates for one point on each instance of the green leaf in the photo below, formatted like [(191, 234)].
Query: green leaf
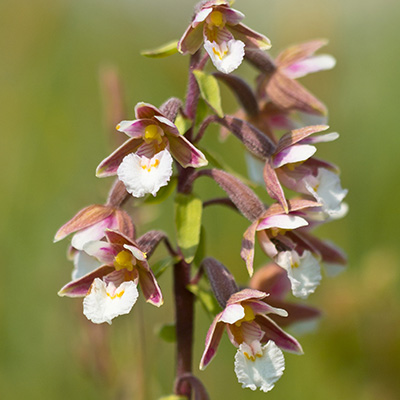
[(182, 123), (163, 51), (202, 111), (206, 299), (167, 332), (209, 90), (173, 397), (188, 210), (163, 193)]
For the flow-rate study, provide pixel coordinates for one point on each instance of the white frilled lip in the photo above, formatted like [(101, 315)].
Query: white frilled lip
[(142, 175), (106, 301), (226, 56), (328, 191), (304, 272), (261, 371)]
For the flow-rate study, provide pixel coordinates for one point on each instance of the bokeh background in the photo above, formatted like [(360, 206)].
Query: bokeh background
[(54, 132)]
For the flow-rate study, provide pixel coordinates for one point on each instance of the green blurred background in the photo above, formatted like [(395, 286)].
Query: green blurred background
[(54, 133)]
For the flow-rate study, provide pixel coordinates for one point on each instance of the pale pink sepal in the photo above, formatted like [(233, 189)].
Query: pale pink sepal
[(136, 128), (232, 313), (294, 154), (166, 125), (309, 65), (246, 295), (185, 153), (328, 137), (282, 221), (105, 252), (260, 307)]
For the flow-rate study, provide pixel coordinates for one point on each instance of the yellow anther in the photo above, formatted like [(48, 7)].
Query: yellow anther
[(123, 260), (295, 265), (117, 127), (248, 315), (153, 132), (217, 18)]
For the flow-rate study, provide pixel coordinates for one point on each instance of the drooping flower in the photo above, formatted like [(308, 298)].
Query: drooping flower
[(143, 162), (89, 225), (276, 236), (258, 362), (293, 165), (111, 289), (273, 279), (295, 62), (218, 26)]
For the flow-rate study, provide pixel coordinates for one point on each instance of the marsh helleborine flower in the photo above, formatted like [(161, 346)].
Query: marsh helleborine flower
[(143, 163), (218, 26)]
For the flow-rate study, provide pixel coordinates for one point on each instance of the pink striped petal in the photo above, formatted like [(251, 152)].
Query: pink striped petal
[(213, 338), (185, 153), (105, 252), (109, 165), (136, 128)]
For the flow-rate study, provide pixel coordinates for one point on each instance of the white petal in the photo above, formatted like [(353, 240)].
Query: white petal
[(328, 192), (294, 154), (302, 68), (142, 175), (84, 264), (226, 56), (105, 302), (303, 271), (201, 16), (232, 314), (264, 371), (282, 221), (94, 232)]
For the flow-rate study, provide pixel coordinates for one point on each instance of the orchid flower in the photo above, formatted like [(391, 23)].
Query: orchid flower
[(274, 232), (218, 26), (295, 62), (111, 289), (259, 361), (90, 224), (273, 279), (143, 163), (293, 164)]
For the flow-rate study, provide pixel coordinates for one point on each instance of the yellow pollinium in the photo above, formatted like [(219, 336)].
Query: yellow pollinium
[(217, 18), (124, 259), (248, 315), (153, 132)]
